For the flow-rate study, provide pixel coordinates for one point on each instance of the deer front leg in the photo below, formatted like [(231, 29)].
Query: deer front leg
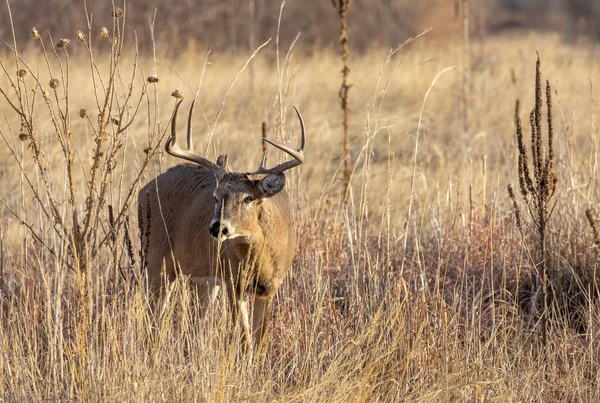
[(245, 319), (240, 315), (261, 317), (207, 290)]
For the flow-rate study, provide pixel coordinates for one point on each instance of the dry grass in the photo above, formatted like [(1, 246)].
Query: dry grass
[(377, 307)]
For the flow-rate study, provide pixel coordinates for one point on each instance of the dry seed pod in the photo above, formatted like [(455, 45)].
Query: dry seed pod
[(104, 32), (63, 43), (35, 33), (152, 79), (177, 94), (80, 36), (54, 83), (82, 113), (22, 73)]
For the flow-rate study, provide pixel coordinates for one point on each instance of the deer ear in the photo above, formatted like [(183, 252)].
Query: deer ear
[(222, 161), (271, 184)]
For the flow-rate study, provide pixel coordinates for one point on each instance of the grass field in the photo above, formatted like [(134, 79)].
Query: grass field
[(418, 287)]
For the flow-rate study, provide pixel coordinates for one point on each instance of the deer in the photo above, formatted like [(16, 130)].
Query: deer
[(221, 228)]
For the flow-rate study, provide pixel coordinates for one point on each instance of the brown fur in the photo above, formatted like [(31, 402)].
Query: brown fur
[(255, 262)]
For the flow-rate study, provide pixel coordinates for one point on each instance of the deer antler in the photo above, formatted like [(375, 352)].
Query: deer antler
[(297, 154), (189, 154)]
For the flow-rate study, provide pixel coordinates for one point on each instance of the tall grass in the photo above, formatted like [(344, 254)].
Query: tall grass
[(348, 323)]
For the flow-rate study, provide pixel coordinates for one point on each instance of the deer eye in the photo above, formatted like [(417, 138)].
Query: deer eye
[(248, 199)]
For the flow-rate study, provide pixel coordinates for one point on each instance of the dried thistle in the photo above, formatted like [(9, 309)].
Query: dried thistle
[(63, 43), (525, 182), (35, 33), (550, 128), (111, 222), (54, 83), (117, 12), (342, 7), (511, 193), (593, 226), (104, 32), (82, 113), (537, 191), (177, 94), (80, 36), (22, 73), (152, 79), (128, 242)]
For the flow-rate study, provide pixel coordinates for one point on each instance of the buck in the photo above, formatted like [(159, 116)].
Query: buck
[(220, 227)]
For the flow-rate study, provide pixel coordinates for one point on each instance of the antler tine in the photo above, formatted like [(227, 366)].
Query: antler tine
[(301, 127), (297, 154), (175, 150), (261, 167), (190, 145)]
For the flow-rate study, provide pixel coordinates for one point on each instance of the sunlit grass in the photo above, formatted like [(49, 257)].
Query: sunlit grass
[(378, 306)]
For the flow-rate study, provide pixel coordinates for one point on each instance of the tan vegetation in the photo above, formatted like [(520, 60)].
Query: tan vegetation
[(420, 287)]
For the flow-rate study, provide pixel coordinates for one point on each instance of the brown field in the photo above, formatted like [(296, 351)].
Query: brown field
[(418, 287)]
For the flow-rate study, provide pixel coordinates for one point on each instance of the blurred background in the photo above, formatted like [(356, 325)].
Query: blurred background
[(228, 25)]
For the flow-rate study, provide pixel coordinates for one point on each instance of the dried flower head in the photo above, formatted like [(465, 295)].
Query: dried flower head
[(54, 83), (177, 94), (104, 32), (80, 36), (22, 73), (35, 33), (115, 121), (117, 12), (63, 43), (594, 225), (147, 150), (152, 79), (23, 136), (46, 95), (82, 113)]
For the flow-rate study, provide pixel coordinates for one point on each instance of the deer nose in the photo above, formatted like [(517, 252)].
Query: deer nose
[(215, 226)]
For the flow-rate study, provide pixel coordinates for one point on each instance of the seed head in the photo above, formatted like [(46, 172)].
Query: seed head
[(35, 33), (177, 94), (152, 79), (594, 225), (80, 36), (23, 136), (117, 12), (63, 43), (104, 32), (82, 113), (54, 83), (22, 73), (46, 95), (115, 121)]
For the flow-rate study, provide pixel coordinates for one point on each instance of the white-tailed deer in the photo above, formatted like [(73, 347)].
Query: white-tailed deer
[(221, 227)]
